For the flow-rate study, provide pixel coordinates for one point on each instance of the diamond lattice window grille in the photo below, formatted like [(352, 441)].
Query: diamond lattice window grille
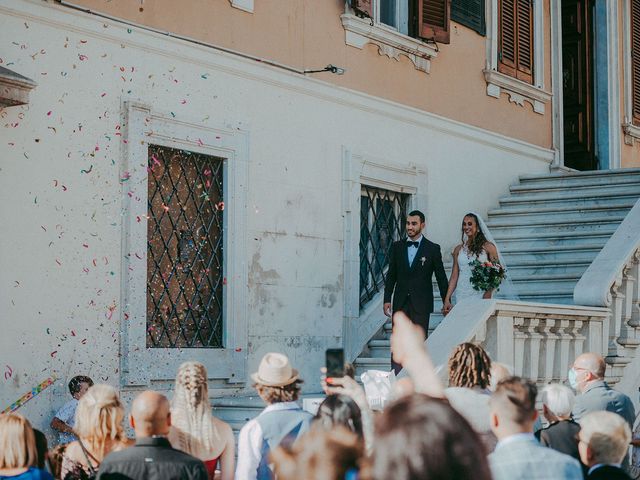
[(382, 219), (184, 249)]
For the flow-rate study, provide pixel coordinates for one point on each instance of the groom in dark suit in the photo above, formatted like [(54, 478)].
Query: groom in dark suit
[(412, 263)]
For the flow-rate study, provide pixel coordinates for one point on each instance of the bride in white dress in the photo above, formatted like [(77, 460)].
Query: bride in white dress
[(474, 246)]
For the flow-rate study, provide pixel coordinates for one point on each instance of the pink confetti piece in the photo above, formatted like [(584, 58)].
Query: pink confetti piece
[(85, 245), (95, 262), (53, 354), (58, 262), (200, 142), (84, 341), (73, 333), (8, 372), (43, 227), (219, 206), (49, 113), (82, 57), (85, 270)]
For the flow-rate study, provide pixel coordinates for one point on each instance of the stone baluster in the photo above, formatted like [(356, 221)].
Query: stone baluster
[(629, 286), (549, 342), (615, 323), (534, 338), (565, 343), (635, 296), (519, 340)]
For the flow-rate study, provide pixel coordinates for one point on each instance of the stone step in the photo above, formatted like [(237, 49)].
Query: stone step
[(533, 189), (506, 239), (550, 223), (600, 192), (582, 178), (622, 200), (576, 269), (565, 211), (557, 255)]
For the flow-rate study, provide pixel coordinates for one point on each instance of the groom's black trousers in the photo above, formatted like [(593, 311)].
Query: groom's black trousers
[(420, 319)]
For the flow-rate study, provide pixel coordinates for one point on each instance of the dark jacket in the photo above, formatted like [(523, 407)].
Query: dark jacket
[(149, 459), (414, 283), (561, 436), (608, 472)]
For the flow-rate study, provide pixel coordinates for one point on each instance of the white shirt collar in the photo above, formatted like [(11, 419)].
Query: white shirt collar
[(281, 406), (515, 438), (418, 240)]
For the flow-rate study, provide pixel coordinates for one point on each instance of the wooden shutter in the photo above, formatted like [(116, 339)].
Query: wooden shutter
[(635, 60), (433, 20), (469, 13), (363, 7), (515, 44)]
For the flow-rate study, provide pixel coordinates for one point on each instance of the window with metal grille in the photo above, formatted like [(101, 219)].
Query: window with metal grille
[(635, 60), (184, 249), (382, 218)]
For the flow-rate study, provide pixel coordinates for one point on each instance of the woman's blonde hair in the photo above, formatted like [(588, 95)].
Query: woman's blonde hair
[(99, 419), (17, 442), (192, 427)]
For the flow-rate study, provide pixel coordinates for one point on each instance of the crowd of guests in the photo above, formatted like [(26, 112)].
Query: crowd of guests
[(483, 425)]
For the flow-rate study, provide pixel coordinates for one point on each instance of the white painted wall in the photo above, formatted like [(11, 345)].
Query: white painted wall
[(297, 129)]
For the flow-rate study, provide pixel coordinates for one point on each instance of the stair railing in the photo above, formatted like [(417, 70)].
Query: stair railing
[(611, 281), (538, 340)]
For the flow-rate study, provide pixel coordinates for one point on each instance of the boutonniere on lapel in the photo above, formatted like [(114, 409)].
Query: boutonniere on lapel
[(422, 260)]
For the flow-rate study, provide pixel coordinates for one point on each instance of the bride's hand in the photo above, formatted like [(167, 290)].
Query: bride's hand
[(446, 308)]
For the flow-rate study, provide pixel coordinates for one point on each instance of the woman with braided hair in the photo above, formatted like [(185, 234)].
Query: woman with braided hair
[(468, 392), (194, 429)]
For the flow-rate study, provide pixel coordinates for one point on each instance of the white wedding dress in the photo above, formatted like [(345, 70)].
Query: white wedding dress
[(464, 289)]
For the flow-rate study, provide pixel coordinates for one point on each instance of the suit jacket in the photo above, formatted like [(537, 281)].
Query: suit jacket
[(608, 472), (149, 459), (414, 282), (561, 436), (598, 397), (522, 457)]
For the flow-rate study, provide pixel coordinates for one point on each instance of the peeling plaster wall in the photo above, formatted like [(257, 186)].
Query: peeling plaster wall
[(61, 190)]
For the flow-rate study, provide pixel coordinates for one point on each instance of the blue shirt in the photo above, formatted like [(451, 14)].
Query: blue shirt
[(32, 474), (412, 250)]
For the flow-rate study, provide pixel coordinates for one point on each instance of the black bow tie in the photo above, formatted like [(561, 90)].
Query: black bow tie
[(415, 244)]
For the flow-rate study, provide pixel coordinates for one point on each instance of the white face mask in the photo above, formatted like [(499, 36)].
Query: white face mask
[(573, 378)]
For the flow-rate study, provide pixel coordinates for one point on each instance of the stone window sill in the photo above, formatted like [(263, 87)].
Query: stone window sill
[(14, 88), (518, 91), (631, 131), (246, 5), (391, 43)]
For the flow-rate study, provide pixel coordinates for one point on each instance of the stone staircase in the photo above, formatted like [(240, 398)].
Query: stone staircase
[(549, 229)]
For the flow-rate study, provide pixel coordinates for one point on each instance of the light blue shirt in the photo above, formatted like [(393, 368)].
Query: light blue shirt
[(412, 250)]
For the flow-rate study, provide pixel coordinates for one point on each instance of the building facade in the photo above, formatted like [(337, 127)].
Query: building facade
[(218, 181)]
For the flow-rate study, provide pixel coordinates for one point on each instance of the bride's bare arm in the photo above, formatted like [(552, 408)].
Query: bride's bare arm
[(492, 251), (453, 281)]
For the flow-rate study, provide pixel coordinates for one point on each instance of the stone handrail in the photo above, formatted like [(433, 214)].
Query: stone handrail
[(598, 284), (539, 340), (612, 281)]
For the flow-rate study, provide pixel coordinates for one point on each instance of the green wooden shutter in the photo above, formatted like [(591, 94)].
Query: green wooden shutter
[(469, 13)]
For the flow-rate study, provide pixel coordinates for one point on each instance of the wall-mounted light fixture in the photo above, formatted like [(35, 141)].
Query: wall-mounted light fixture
[(328, 68)]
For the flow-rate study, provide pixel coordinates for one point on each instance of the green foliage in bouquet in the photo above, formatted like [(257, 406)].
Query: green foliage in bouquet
[(486, 276)]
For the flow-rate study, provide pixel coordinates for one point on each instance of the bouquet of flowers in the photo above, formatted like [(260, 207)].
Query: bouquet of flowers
[(486, 276)]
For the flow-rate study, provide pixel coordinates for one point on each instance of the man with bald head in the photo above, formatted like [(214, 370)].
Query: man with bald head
[(586, 377), (152, 456)]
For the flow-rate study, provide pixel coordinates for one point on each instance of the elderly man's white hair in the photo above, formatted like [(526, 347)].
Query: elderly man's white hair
[(607, 435), (559, 399)]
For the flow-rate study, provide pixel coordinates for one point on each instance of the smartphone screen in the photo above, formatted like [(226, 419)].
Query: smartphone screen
[(335, 362)]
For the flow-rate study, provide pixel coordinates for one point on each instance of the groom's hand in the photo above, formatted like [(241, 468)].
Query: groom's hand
[(386, 308)]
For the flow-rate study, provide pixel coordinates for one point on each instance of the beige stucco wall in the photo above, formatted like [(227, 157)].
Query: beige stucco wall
[(308, 34)]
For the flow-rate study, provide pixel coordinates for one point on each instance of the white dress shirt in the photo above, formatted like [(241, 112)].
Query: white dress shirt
[(250, 443), (412, 250)]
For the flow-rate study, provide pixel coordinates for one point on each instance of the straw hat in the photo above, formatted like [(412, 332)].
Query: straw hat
[(275, 371)]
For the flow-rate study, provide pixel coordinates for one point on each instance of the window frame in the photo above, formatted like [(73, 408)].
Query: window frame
[(389, 174), (140, 366), (497, 82)]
